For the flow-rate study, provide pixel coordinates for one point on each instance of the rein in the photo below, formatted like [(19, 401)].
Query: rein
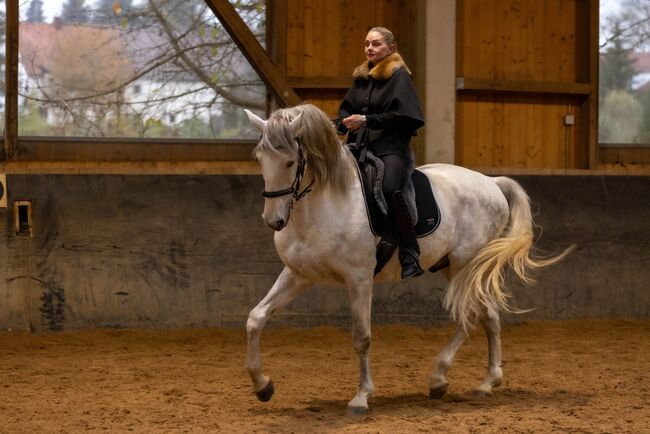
[(294, 189)]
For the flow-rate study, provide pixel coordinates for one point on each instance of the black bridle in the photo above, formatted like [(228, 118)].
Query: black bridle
[(294, 189)]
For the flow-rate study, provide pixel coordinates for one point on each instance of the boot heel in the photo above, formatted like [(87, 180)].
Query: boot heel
[(410, 264)]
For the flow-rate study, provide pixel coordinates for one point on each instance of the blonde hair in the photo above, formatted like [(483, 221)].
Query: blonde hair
[(386, 34)]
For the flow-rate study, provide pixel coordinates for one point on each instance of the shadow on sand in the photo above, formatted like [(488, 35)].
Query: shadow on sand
[(333, 412)]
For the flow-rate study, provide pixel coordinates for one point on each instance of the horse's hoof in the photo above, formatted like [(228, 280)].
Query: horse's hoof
[(481, 394), (266, 393), (438, 392), (357, 411)]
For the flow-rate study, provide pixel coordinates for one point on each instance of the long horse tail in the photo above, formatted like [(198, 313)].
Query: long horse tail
[(479, 283)]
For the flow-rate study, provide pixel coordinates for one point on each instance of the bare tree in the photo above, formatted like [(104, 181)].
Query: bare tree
[(624, 92), (631, 25), (153, 69)]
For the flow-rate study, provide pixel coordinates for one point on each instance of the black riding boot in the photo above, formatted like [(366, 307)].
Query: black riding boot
[(385, 249), (409, 250)]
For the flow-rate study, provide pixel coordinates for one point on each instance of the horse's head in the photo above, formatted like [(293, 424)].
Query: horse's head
[(282, 162)]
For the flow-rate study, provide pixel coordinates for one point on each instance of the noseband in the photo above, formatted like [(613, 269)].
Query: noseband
[(295, 185)]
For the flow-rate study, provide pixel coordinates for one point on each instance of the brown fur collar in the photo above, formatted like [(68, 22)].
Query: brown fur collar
[(383, 70)]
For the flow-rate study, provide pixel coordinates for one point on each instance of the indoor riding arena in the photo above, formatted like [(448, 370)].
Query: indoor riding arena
[(146, 284)]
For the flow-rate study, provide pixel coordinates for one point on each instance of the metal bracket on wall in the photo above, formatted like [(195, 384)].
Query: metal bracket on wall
[(3, 190)]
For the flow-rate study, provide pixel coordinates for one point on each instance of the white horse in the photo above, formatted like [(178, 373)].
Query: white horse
[(323, 236)]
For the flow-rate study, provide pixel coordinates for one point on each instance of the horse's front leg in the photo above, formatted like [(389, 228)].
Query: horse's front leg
[(287, 286), (360, 294)]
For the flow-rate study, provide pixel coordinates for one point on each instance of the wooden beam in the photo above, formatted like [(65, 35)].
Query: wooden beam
[(479, 85), (584, 44), (11, 80), (592, 102), (276, 41), (251, 48), (624, 154), (603, 170), (276, 34), (112, 150), (131, 168)]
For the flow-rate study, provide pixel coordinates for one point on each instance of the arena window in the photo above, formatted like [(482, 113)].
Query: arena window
[(624, 82), (133, 81)]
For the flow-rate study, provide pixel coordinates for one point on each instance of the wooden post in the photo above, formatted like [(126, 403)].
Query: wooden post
[(440, 100), (592, 101), (276, 41), (11, 81)]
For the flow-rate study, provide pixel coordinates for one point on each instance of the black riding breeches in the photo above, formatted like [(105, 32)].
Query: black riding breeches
[(395, 168)]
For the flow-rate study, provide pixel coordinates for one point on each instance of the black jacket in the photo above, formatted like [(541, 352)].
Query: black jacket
[(386, 95)]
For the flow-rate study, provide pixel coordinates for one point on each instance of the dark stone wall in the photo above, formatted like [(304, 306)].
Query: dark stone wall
[(608, 218), (184, 251)]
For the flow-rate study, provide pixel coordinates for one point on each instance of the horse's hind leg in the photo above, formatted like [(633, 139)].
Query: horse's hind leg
[(284, 290), (492, 327), (360, 295), (438, 383)]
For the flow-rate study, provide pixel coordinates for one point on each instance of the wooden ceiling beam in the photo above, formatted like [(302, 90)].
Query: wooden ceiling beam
[(485, 85), (256, 55)]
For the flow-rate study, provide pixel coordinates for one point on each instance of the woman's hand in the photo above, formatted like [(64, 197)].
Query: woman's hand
[(354, 122)]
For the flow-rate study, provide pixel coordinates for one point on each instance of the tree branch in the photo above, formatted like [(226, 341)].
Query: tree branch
[(243, 102)]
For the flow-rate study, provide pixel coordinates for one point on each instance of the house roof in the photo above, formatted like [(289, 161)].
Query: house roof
[(641, 61), (34, 40), (38, 41), (137, 47)]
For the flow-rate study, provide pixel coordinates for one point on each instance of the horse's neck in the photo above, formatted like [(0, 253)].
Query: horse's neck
[(324, 205)]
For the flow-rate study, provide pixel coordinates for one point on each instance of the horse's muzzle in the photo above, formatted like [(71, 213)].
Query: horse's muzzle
[(276, 225), (277, 218)]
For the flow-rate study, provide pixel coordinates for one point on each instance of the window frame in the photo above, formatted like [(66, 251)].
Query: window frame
[(55, 154), (617, 154)]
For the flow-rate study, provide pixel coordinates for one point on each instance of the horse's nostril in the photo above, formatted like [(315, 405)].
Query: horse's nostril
[(276, 225)]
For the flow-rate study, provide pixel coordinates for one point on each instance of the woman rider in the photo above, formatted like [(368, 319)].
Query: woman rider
[(382, 104)]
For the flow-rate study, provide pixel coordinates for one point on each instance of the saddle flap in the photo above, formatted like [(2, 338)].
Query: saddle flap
[(427, 207), (425, 201)]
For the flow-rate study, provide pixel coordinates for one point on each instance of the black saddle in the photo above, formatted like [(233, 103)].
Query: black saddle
[(427, 207)]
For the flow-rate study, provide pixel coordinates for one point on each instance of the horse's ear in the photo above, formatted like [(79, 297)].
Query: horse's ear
[(255, 120), (295, 124)]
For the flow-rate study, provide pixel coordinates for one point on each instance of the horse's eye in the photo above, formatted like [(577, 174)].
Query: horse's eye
[(290, 163)]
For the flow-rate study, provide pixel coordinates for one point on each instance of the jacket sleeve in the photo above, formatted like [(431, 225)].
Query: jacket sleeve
[(345, 109), (393, 121)]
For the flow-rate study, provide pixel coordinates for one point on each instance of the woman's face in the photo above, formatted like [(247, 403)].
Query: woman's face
[(377, 48)]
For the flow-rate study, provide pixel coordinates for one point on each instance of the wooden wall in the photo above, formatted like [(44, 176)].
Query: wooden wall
[(522, 67), (323, 42), (517, 131)]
